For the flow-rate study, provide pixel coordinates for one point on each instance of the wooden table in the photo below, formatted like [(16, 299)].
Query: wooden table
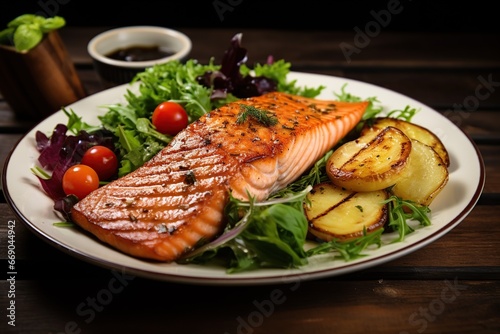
[(449, 286)]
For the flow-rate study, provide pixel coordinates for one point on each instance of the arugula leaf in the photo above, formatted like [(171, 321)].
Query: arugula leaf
[(75, 123), (350, 250), (406, 114), (401, 211), (278, 71), (172, 81), (374, 108), (127, 139), (145, 127), (135, 152)]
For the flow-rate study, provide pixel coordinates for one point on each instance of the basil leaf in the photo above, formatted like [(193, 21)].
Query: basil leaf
[(26, 31), (52, 23), (20, 20), (7, 36), (127, 139), (27, 37)]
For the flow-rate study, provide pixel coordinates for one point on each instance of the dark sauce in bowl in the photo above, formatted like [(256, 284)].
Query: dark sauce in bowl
[(139, 53)]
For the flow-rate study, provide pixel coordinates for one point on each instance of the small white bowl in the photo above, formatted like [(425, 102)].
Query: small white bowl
[(114, 72)]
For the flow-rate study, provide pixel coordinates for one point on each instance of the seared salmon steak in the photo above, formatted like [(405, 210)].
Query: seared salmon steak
[(255, 146)]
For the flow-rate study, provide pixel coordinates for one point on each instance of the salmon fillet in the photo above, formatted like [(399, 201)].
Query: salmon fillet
[(163, 209)]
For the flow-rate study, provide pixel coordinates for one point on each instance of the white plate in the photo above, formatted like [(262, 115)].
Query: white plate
[(456, 200)]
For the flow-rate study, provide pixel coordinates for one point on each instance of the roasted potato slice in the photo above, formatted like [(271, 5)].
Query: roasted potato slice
[(425, 176), (413, 131), (372, 162), (333, 212)]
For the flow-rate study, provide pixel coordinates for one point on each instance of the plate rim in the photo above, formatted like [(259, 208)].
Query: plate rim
[(369, 262)]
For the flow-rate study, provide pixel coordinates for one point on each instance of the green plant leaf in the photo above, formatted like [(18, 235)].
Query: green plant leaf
[(23, 19), (52, 23), (27, 37), (7, 36), (26, 31)]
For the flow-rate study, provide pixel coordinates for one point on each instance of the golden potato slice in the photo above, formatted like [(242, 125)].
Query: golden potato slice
[(413, 131), (372, 162), (333, 212), (425, 176)]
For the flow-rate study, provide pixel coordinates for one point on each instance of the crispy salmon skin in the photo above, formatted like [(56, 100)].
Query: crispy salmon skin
[(163, 209)]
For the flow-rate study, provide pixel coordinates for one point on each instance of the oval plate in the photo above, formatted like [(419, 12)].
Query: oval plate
[(454, 203)]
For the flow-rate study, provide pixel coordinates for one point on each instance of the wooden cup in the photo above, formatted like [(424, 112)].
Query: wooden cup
[(41, 81)]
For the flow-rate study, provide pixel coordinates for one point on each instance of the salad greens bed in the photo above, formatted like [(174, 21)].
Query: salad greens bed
[(272, 233)]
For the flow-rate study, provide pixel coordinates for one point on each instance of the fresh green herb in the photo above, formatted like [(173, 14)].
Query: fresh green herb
[(173, 81), (137, 146), (350, 250), (27, 31), (75, 123), (137, 139), (278, 71), (401, 211), (406, 114), (374, 108), (264, 117)]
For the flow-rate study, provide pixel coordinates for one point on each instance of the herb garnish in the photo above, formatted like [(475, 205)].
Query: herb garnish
[(264, 117)]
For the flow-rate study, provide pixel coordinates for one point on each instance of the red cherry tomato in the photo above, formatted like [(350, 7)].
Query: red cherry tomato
[(169, 118), (80, 180), (102, 160)]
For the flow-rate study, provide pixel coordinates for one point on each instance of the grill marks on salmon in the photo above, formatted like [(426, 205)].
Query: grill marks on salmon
[(165, 208)]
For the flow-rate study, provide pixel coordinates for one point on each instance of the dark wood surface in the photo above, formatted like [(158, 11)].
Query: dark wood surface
[(449, 286)]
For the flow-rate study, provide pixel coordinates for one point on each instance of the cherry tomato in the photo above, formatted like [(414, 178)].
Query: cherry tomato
[(169, 118), (80, 180), (102, 160)]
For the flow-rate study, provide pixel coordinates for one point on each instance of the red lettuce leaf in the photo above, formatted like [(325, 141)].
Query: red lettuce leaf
[(229, 78)]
